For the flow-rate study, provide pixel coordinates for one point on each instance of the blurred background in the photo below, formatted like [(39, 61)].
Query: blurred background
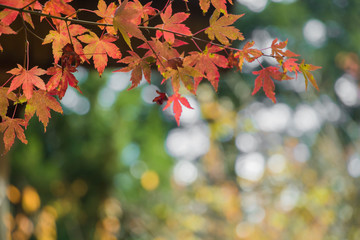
[(116, 166)]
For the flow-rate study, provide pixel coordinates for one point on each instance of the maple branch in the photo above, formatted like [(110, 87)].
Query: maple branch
[(85, 22), (55, 17), (28, 4), (26, 57)]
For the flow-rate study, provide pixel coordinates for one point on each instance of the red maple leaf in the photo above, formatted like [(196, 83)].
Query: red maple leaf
[(41, 103), (69, 58), (62, 77), (161, 98), (247, 53), (99, 48), (107, 15), (27, 78), (138, 66), (177, 101), (219, 28), (60, 38), (305, 69), (172, 23), (264, 80), (207, 63), (10, 127), (291, 65), (4, 100)]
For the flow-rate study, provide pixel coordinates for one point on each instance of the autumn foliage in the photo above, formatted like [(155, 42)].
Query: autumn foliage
[(74, 44)]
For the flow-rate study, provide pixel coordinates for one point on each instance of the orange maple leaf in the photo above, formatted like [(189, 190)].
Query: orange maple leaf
[(107, 15), (305, 69), (8, 15), (247, 53), (220, 5), (99, 48), (177, 101), (164, 49), (60, 38), (62, 77), (207, 63), (143, 11), (4, 100), (41, 103), (58, 7), (277, 50), (219, 28), (5, 29), (179, 72), (10, 127), (264, 80), (28, 79), (172, 23), (138, 66), (125, 22)]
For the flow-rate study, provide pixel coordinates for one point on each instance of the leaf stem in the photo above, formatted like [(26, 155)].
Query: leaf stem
[(8, 80)]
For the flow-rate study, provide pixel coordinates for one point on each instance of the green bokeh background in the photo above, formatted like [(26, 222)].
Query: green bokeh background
[(87, 169)]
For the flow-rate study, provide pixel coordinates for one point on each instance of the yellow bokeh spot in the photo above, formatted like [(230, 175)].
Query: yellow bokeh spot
[(13, 194), (79, 187), (30, 200), (150, 180)]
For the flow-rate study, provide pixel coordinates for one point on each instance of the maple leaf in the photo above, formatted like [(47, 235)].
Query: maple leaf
[(8, 15), (157, 48), (138, 66), (264, 80), (247, 53), (161, 98), (305, 69), (143, 11), (219, 28), (58, 7), (62, 77), (291, 66), (60, 38), (220, 5), (207, 63), (278, 53), (69, 58), (4, 100), (41, 103), (4, 26), (10, 127), (99, 48), (5, 29), (172, 23), (177, 101), (178, 72), (107, 15), (124, 21), (27, 78)]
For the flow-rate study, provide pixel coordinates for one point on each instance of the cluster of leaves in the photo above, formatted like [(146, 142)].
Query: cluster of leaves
[(74, 44)]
